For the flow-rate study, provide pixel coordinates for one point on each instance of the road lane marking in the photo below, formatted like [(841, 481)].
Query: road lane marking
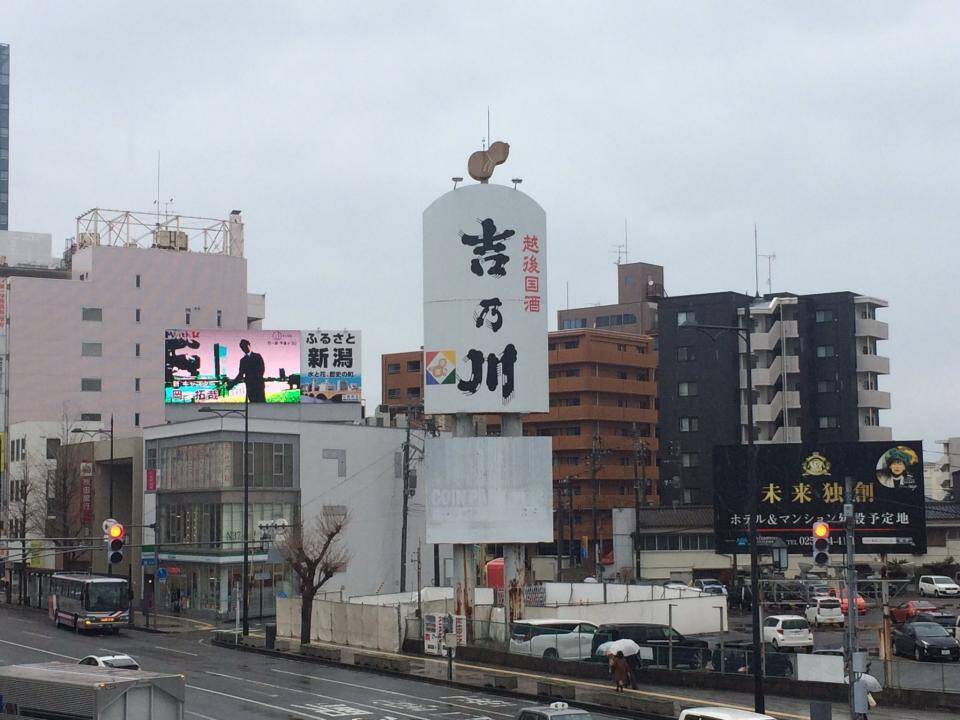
[(373, 688), (199, 715), (319, 695), (280, 708), (42, 635), (39, 650), (173, 650), (233, 677)]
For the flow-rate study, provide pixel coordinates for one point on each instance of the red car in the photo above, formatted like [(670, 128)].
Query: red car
[(842, 594), (906, 611)]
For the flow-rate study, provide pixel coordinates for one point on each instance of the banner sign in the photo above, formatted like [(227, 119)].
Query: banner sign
[(485, 302), (330, 366), (802, 483)]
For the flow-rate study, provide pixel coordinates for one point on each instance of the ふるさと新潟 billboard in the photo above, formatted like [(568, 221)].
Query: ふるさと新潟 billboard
[(800, 484), (231, 366)]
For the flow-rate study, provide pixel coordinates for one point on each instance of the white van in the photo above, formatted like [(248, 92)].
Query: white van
[(937, 585), (562, 639), (824, 611), (721, 713)]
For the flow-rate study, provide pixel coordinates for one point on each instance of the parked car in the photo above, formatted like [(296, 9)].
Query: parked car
[(842, 595), (937, 585), (720, 713), (908, 609), (787, 631), (676, 585), (943, 619), (824, 611), (120, 662), (925, 641), (655, 641), (736, 659), (553, 711), (563, 639), (816, 589), (711, 586)]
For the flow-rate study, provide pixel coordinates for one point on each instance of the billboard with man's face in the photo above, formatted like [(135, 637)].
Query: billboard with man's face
[(231, 366)]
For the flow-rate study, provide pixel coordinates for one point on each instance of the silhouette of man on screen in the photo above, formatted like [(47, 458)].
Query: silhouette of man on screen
[(251, 373)]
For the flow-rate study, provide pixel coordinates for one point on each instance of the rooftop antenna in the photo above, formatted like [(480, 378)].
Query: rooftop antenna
[(756, 260), (158, 190), (770, 258), (621, 251), (568, 294), (626, 254), (488, 124)]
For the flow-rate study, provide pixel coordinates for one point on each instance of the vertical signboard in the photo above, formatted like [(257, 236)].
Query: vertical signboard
[(86, 492), (485, 302), (330, 366)]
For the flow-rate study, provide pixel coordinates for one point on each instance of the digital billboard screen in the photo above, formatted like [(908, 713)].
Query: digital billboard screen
[(802, 483), (231, 366)]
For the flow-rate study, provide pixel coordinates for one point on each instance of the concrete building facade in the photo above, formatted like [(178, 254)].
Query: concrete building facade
[(299, 471), (639, 289), (4, 136), (815, 372)]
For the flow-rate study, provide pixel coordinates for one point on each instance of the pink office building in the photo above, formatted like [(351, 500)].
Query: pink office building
[(82, 348)]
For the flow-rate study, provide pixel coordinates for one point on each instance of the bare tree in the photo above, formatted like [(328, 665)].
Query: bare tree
[(316, 555), (66, 522), (27, 509)]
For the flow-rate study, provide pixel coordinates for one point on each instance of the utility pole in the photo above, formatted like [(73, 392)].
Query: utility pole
[(595, 481), (851, 524), (406, 505), (569, 488), (885, 629), (639, 493)]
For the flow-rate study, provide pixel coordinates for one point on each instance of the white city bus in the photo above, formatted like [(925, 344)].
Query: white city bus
[(89, 602)]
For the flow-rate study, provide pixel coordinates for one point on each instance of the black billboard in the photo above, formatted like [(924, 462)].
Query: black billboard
[(801, 483)]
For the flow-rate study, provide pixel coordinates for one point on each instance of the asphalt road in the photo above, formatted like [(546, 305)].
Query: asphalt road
[(230, 685)]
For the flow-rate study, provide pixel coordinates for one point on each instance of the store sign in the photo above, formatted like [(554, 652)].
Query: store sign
[(800, 484), (485, 302), (86, 492), (330, 366)]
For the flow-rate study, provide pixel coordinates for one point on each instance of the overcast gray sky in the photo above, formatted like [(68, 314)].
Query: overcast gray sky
[(836, 127)]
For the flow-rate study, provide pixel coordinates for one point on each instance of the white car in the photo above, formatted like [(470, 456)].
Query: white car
[(119, 662), (937, 585), (824, 611), (710, 586), (788, 631), (559, 639), (720, 713)]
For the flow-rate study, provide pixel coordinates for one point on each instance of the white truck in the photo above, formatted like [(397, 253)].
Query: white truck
[(64, 691)]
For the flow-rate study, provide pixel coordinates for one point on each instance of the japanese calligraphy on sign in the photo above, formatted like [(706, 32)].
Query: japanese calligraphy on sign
[(330, 366), (800, 484), (485, 315)]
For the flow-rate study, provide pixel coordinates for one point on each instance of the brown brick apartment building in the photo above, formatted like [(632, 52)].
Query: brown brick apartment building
[(602, 414)]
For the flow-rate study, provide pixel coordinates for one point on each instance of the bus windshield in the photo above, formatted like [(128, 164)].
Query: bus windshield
[(105, 597)]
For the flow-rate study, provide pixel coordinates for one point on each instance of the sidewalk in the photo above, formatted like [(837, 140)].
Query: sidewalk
[(171, 624), (585, 691)]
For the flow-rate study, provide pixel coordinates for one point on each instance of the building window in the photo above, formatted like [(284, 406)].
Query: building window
[(643, 375), (393, 393), (413, 366), (690, 459), (137, 280), (413, 392), (91, 349), (683, 318), (828, 421), (826, 386), (687, 389), (393, 368), (136, 349), (824, 316), (642, 349), (825, 351), (603, 321), (571, 345), (186, 316), (136, 384), (90, 417), (629, 319), (686, 353), (621, 375), (219, 318), (136, 419), (90, 384), (571, 372), (689, 424), (136, 315), (621, 348), (53, 445), (91, 314)]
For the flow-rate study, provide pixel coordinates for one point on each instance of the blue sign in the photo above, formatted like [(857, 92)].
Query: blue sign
[(148, 561), (583, 552), (162, 574)]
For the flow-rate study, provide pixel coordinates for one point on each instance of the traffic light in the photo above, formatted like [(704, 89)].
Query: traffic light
[(113, 535), (821, 543)]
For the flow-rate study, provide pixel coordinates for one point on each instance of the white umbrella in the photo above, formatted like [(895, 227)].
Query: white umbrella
[(626, 646)]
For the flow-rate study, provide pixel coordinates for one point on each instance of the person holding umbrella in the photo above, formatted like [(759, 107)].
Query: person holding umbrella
[(620, 670)]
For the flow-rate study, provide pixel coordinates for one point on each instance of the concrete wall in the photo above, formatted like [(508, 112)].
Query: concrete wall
[(691, 615), (374, 627), (27, 248)]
